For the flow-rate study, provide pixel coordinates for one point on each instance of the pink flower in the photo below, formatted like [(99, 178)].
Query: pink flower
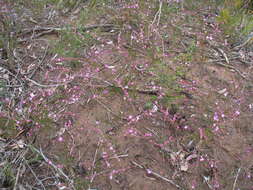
[(60, 139), (201, 159), (216, 117), (149, 171), (148, 135), (237, 113)]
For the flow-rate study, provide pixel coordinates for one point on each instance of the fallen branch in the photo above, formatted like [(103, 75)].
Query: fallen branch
[(44, 85), (219, 50), (158, 14), (250, 37), (17, 177), (55, 30), (150, 172), (40, 62), (52, 164), (223, 54), (39, 181), (230, 67), (236, 178), (93, 172), (138, 90)]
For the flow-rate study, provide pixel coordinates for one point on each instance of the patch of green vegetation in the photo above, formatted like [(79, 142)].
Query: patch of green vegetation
[(192, 4), (45, 121), (7, 175), (47, 124), (56, 97), (81, 183), (37, 6), (8, 127), (3, 90), (8, 39), (181, 72), (209, 133), (248, 24), (228, 20), (236, 20), (34, 157), (73, 44), (168, 9), (148, 105), (150, 102), (189, 52), (166, 77), (84, 16), (65, 159), (194, 136), (115, 90), (62, 4), (94, 3), (75, 65), (169, 98)]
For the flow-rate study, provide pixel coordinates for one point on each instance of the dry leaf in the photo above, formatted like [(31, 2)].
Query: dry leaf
[(222, 91)]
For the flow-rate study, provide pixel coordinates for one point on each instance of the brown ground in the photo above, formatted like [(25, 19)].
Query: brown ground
[(115, 129)]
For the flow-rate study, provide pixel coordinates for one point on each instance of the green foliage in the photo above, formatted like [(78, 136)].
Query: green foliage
[(225, 16), (56, 97), (47, 124), (34, 158), (148, 105), (7, 175), (65, 159), (169, 8), (95, 3), (115, 90), (84, 16), (169, 97), (73, 44), (192, 4), (3, 91), (8, 39), (248, 24), (61, 4), (37, 5), (189, 53), (235, 18), (8, 127), (167, 79)]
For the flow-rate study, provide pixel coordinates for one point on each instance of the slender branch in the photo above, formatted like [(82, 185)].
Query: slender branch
[(40, 182), (231, 67), (40, 63), (150, 172), (17, 177), (236, 178), (44, 85)]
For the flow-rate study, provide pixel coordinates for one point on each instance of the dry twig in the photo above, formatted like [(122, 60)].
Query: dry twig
[(231, 67), (53, 165), (44, 85), (250, 37), (236, 178), (158, 14), (150, 172), (93, 174)]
